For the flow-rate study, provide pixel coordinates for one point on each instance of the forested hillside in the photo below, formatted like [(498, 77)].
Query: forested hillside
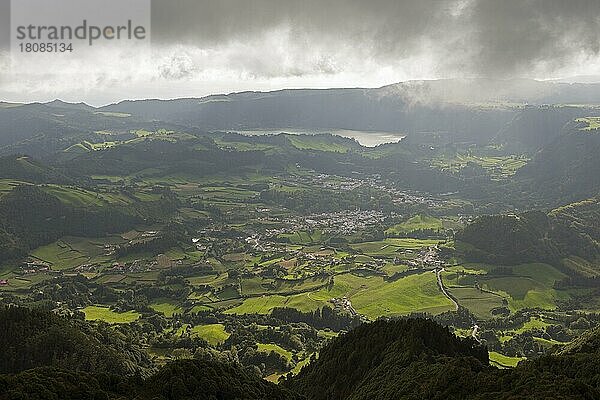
[(385, 359), (567, 168), (31, 216), (530, 236), (409, 358), (417, 359), (24, 168), (46, 356), (534, 128), (32, 338)]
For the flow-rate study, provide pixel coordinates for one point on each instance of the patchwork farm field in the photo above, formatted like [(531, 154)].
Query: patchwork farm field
[(416, 293), (482, 288), (213, 270), (478, 302), (371, 296), (499, 167), (165, 307), (70, 252), (529, 286), (265, 304)]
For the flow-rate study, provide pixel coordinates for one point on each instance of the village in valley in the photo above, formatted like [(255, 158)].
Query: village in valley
[(290, 260)]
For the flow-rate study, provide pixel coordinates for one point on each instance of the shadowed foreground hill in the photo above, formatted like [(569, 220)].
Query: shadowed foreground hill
[(201, 379), (33, 338), (418, 359), (385, 360), (181, 380), (44, 356)]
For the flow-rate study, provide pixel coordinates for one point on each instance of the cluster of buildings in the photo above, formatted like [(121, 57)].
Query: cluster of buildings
[(344, 222), (87, 268), (343, 304), (428, 257), (32, 266)]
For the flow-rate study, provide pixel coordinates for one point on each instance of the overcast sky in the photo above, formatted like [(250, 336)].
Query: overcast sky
[(216, 46)]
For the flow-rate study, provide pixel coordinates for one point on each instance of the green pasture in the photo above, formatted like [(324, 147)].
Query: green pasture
[(214, 334), (78, 197), (496, 166), (165, 307), (478, 302), (265, 304), (500, 360), (529, 286), (268, 347), (94, 313), (416, 223), (392, 246)]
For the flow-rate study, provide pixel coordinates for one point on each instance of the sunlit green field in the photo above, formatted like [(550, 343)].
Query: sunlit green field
[(496, 166), (214, 334), (478, 302), (165, 307), (370, 295), (374, 297), (526, 286), (70, 252), (418, 222), (267, 348), (78, 197), (390, 247), (105, 314), (529, 286), (265, 304), (501, 360)]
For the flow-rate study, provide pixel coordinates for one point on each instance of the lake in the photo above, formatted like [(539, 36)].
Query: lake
[(365, 138)]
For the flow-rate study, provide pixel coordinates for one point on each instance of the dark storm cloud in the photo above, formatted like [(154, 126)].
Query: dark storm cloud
[(514, 35), (375, 29), (494, 37), (211, 22)]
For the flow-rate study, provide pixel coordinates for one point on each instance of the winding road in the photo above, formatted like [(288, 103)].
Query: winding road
[(438, 274)]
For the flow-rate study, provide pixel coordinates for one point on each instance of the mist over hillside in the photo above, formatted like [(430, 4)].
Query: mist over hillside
[(467, 106)]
